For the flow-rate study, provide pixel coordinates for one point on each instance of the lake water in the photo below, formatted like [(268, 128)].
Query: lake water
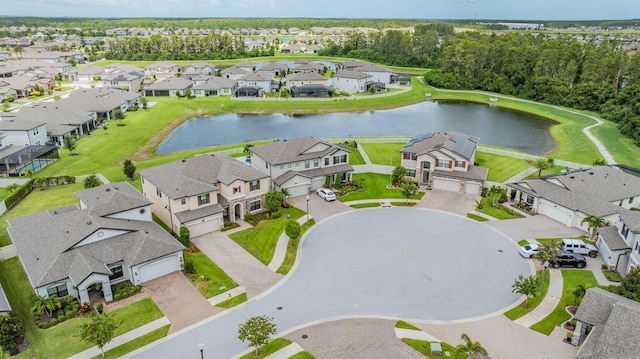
[(495, 126)]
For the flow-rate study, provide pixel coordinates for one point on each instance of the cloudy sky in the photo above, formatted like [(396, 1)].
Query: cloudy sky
[(424, 9)]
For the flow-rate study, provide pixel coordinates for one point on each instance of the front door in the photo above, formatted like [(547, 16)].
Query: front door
[(425, 177)]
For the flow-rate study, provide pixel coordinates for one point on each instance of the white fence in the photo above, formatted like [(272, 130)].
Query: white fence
[(524, 156)]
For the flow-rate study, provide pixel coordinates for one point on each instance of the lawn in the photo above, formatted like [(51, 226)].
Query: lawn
[(139, 342), (232, 302), (476, 217), (302, 355), (39, 200), (355, 158), (424, 348), (261, 240), (501, 168), (365, 205), (495, 212), (216, 280), (292, 249), (375, 187), (404, 325), (621, 148), (552, 171), (571, 279), (387, 154), (520, 311), (268, 349)]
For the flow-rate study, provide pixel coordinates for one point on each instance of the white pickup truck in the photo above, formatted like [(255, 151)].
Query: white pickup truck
[(579, 246)]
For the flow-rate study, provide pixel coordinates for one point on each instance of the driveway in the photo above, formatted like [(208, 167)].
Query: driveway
[(532, 227), (319, 209), (453, 202), (393, 262)]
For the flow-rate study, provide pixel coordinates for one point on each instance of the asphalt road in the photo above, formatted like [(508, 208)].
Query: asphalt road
[(386, 262)]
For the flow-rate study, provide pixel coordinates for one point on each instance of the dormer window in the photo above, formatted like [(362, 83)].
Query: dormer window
[(203, 199)]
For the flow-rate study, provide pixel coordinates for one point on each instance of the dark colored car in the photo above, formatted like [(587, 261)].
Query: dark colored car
[(565, 259)]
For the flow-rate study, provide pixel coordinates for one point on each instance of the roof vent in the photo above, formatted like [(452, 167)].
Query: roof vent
[(591, 172), (572, 177), (184, 160), (55, 212), (89, 222), (146, 232), (108, 189)]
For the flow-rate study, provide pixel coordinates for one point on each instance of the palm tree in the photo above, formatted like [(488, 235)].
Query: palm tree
[(593, 223), (579, 293), (46, 305), (542, 164), (469, 347)]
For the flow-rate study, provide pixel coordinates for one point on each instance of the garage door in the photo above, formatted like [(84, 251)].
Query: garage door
[(473, 188), (200, 228), (557, 213), (446, 184), (159, 268), (298, 190), (317, 183)]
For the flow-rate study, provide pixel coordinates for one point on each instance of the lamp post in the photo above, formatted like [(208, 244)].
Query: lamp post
[(201, 347), (307, 208)]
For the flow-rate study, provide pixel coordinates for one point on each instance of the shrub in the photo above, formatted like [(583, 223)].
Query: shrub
[(100, 308), (53, 322), (19, 194), (57, 88), (188, 267), (12, 331), (86, 306), (61, 317), (41, 325), (275, 215), (185, 236), (117, 296), (69, 315), (252, 219), (131, 292), (46, 325), (138, 288), (35, 93)]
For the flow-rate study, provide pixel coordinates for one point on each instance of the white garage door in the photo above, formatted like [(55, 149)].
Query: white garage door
[(472, 187), (298, 190), (558, 213), (604, 251), (200, 228), (317, 183), (158, 268), (446, 184)]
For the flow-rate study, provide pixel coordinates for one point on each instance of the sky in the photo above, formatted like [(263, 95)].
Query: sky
[(410, 9)]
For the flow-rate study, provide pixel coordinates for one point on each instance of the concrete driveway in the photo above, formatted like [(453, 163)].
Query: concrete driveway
[(392, 262), (318, 207), (453, 202), (532, 227)]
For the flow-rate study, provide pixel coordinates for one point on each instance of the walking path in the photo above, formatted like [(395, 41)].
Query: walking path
[(549, 302), (364, 155), (233, 292), (286, 352), (124, 338), (522, 175)]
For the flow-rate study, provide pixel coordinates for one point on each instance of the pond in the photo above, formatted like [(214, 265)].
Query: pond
[(495, 126)]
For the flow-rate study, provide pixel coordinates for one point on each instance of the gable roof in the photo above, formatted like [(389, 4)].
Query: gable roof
[(456, 142), (351, 74), (170, 83), (294, 149), (198, 175), (98, 99), (112, 198), (160, 64), (305, 76), (256, 76), (54, 113), (590, 191), (215, 83), (19, 125)]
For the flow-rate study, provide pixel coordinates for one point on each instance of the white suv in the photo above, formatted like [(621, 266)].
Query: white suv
[(580, 247)]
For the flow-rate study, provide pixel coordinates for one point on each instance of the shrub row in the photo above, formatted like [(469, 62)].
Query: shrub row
[(255, 218), (19, 194), (230, 225)]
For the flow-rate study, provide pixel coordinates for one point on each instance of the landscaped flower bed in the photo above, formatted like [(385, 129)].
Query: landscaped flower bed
[(51, 311), (124, 290)]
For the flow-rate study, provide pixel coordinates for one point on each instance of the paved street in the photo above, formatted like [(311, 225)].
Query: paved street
[(389, 262)]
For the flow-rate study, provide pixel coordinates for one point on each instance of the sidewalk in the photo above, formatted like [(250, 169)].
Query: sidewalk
[(280, 252), (549, 302), (124, 338)]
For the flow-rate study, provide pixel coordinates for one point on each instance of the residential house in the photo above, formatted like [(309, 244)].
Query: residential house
[(308, 66), (313, 49), (305, 78), (5, 307), (161, 70), (606, 326), (102, 101), (53, 56), (302, 164), (89, 72), (248, 91), (203, 192), (200, 68), (444, 161), (237, 71), (378, 73), (258, 79), (23, 132), (6, 90), (350, 81), (215, 86), (619, 244), (311, 90), (170, 86), (569, 197), (60, 120), (274, 69), (108, 238), (293, 48)]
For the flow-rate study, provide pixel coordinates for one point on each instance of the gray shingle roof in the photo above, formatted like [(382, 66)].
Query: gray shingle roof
[(631, 219), (351, 74), (19, 125), (314, 172), (55, 113), (198, 175), (50, 243), (591, 191), (112, 198), (472, 173), (291, 150), (215, 83), (615, 321), (256, 76), (97, 99), (612, 238), (305, 76), (201, 212), (170, 83), (456, 142), (4, 302)]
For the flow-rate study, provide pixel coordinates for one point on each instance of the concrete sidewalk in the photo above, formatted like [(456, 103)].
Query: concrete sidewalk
[(549, 302), (124, 338), (280, 252), (286, 352)]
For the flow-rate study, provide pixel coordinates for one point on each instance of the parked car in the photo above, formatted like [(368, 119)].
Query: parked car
[(529, 250), (579, 246), (566, 258), (326, 193)]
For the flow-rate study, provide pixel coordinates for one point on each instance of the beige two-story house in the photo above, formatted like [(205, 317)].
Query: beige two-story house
[(203, 192), (302, 164), (444, 161)]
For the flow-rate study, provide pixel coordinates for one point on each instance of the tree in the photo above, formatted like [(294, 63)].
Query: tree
[(542, 164), (409, 189), (599, 162), (11, 333), (397, 176), (258, 331), (144, 103), (185, 236), (593, 223), (273, 201), (46, 305), (118, 115), (129, 169), (496, 193), (548, 251), (469, 347), (579, 292), (187, 94), (91, 181), (292, 230), (105, 128), (247, 147), (630, 285), (285, 193), (527, 286), (69, 143), (100, 331)]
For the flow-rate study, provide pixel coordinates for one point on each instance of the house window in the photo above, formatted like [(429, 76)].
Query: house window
[(530, 200), (620, 203), (460, 164), (443, 163), (183, 201), (254, 205), (326, 161), (117, 273), (625, 231), (307, 164), (297, 164), (203, 199), (426, 164), (410, 173), (316, 162), (60, 290), (158, 192), (336, 159), (281, 167), (631, 200), (343, 158), (255, 185), (406, 156), (289, 165), (237, 189)]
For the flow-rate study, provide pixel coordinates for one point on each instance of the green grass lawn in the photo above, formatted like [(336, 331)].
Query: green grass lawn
[(424, 348), (355, 158), (232, 302), (476, 217), (365, 205), (217, 278), (522, 242), (501, 168), (39, 200), (292, 249), (375, 187), (261, 240), (387, 154), (520, 311), (302, 355), (621, 148), (571, 279), (404, 325), (552, 171), (268, 349), (139, 342), (495, 212)]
